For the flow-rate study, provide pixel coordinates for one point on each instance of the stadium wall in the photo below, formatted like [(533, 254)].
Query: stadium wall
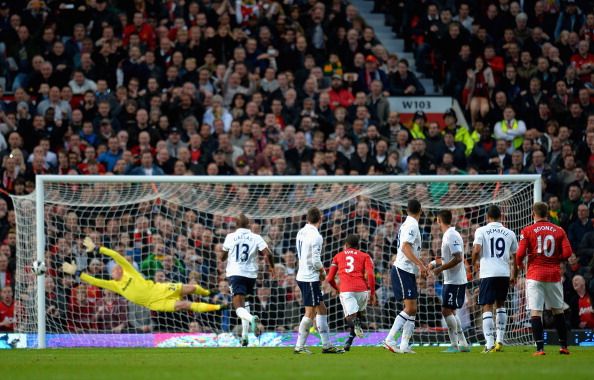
[(583, 338), (433, 106)]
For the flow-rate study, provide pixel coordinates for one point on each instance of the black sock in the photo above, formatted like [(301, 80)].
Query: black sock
[(537, 332), (351, 325), (351, 337), (561, 329)]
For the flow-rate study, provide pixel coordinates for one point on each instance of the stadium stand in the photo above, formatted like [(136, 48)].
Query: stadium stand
[(215, 87)]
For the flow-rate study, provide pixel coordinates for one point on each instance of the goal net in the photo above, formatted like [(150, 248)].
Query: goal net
[(172, 229)]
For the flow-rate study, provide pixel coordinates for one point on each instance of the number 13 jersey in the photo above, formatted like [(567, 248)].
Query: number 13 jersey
[(353, 268), (242, 247), (497, 244), (546, 245)]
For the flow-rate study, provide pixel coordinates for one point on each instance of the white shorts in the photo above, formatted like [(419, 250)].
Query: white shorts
[(353, 302), (543, 295)]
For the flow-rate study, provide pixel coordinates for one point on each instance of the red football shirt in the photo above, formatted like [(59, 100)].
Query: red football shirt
[(7, 312), (585, 311), (578, 61), (546, 245), (352, 266)]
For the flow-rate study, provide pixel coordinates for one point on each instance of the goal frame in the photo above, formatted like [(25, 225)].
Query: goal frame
[(41, 180)]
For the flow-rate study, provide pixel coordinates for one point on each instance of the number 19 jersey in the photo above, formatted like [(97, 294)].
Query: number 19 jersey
[(497, 244), (242, 247)]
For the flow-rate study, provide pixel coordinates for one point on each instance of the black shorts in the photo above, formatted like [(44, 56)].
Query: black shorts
[(311, 292), (493, 289), (404, 284), (452, 296), (239, 285)]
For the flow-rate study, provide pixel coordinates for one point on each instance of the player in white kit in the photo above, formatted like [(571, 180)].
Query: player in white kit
[(403, 275), (241, 252), (309, 275), (451, 263), (494, 245)]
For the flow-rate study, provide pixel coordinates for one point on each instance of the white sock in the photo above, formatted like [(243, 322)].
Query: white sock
[(244, 314), (246, 318), (304, 327), (461, 338), (452, 329), (396, 326), (501, 321), (488, 327), (323, 329), (407, 332)]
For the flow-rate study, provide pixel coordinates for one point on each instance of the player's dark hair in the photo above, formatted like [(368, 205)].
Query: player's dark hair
[(494, 212), (314, 215), (242, 221), (413, 207), (541, 209), (352, 241), (445, 216)]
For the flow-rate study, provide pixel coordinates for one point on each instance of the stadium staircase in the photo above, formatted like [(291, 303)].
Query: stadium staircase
[(387, 38)]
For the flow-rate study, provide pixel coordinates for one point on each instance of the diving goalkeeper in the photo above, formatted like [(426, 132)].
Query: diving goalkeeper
[(130, 284)]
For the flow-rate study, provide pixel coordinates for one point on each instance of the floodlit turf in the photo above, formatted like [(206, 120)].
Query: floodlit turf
[(281, 363)]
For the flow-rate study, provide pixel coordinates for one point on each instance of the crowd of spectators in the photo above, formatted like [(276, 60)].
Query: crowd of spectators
[(214, 87)]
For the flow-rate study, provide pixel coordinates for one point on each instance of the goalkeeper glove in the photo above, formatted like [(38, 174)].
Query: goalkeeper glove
[(71, 269), (89, 245)]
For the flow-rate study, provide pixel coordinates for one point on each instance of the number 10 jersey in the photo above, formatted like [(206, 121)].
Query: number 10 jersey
[(242, 247), (546, 246), (497, 244)]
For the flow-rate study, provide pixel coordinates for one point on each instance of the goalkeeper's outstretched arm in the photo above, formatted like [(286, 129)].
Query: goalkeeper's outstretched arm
[(105, 284), (118, 258)]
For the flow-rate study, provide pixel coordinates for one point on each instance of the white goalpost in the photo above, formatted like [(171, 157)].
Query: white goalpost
[(171, 229)]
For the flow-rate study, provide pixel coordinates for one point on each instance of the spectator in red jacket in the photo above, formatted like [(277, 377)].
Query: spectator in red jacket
[(583, 308), (7, 319), (145, 32), (339, 95), (82, 316)]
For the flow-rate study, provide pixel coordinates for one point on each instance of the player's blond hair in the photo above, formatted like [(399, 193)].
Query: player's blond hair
[(540, 209)]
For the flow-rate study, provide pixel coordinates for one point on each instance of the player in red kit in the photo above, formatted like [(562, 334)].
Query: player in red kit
[(546, 246), (357, 284)]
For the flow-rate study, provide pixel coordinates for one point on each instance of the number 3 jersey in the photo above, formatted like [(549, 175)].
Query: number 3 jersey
[(242, 247), (353, 267), (546, 245), (497, 244)]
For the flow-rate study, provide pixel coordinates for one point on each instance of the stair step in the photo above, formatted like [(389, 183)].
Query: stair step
[(364, 7), (389, 39), (394, 46), (384, 30), (385, 36)]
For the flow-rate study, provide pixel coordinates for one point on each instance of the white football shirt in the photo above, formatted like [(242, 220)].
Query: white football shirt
[(452, 243), (243, 246), (309, 253), (408, 232), (497, 245)]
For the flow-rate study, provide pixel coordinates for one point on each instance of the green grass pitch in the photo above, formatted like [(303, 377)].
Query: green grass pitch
[(281, 363)]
